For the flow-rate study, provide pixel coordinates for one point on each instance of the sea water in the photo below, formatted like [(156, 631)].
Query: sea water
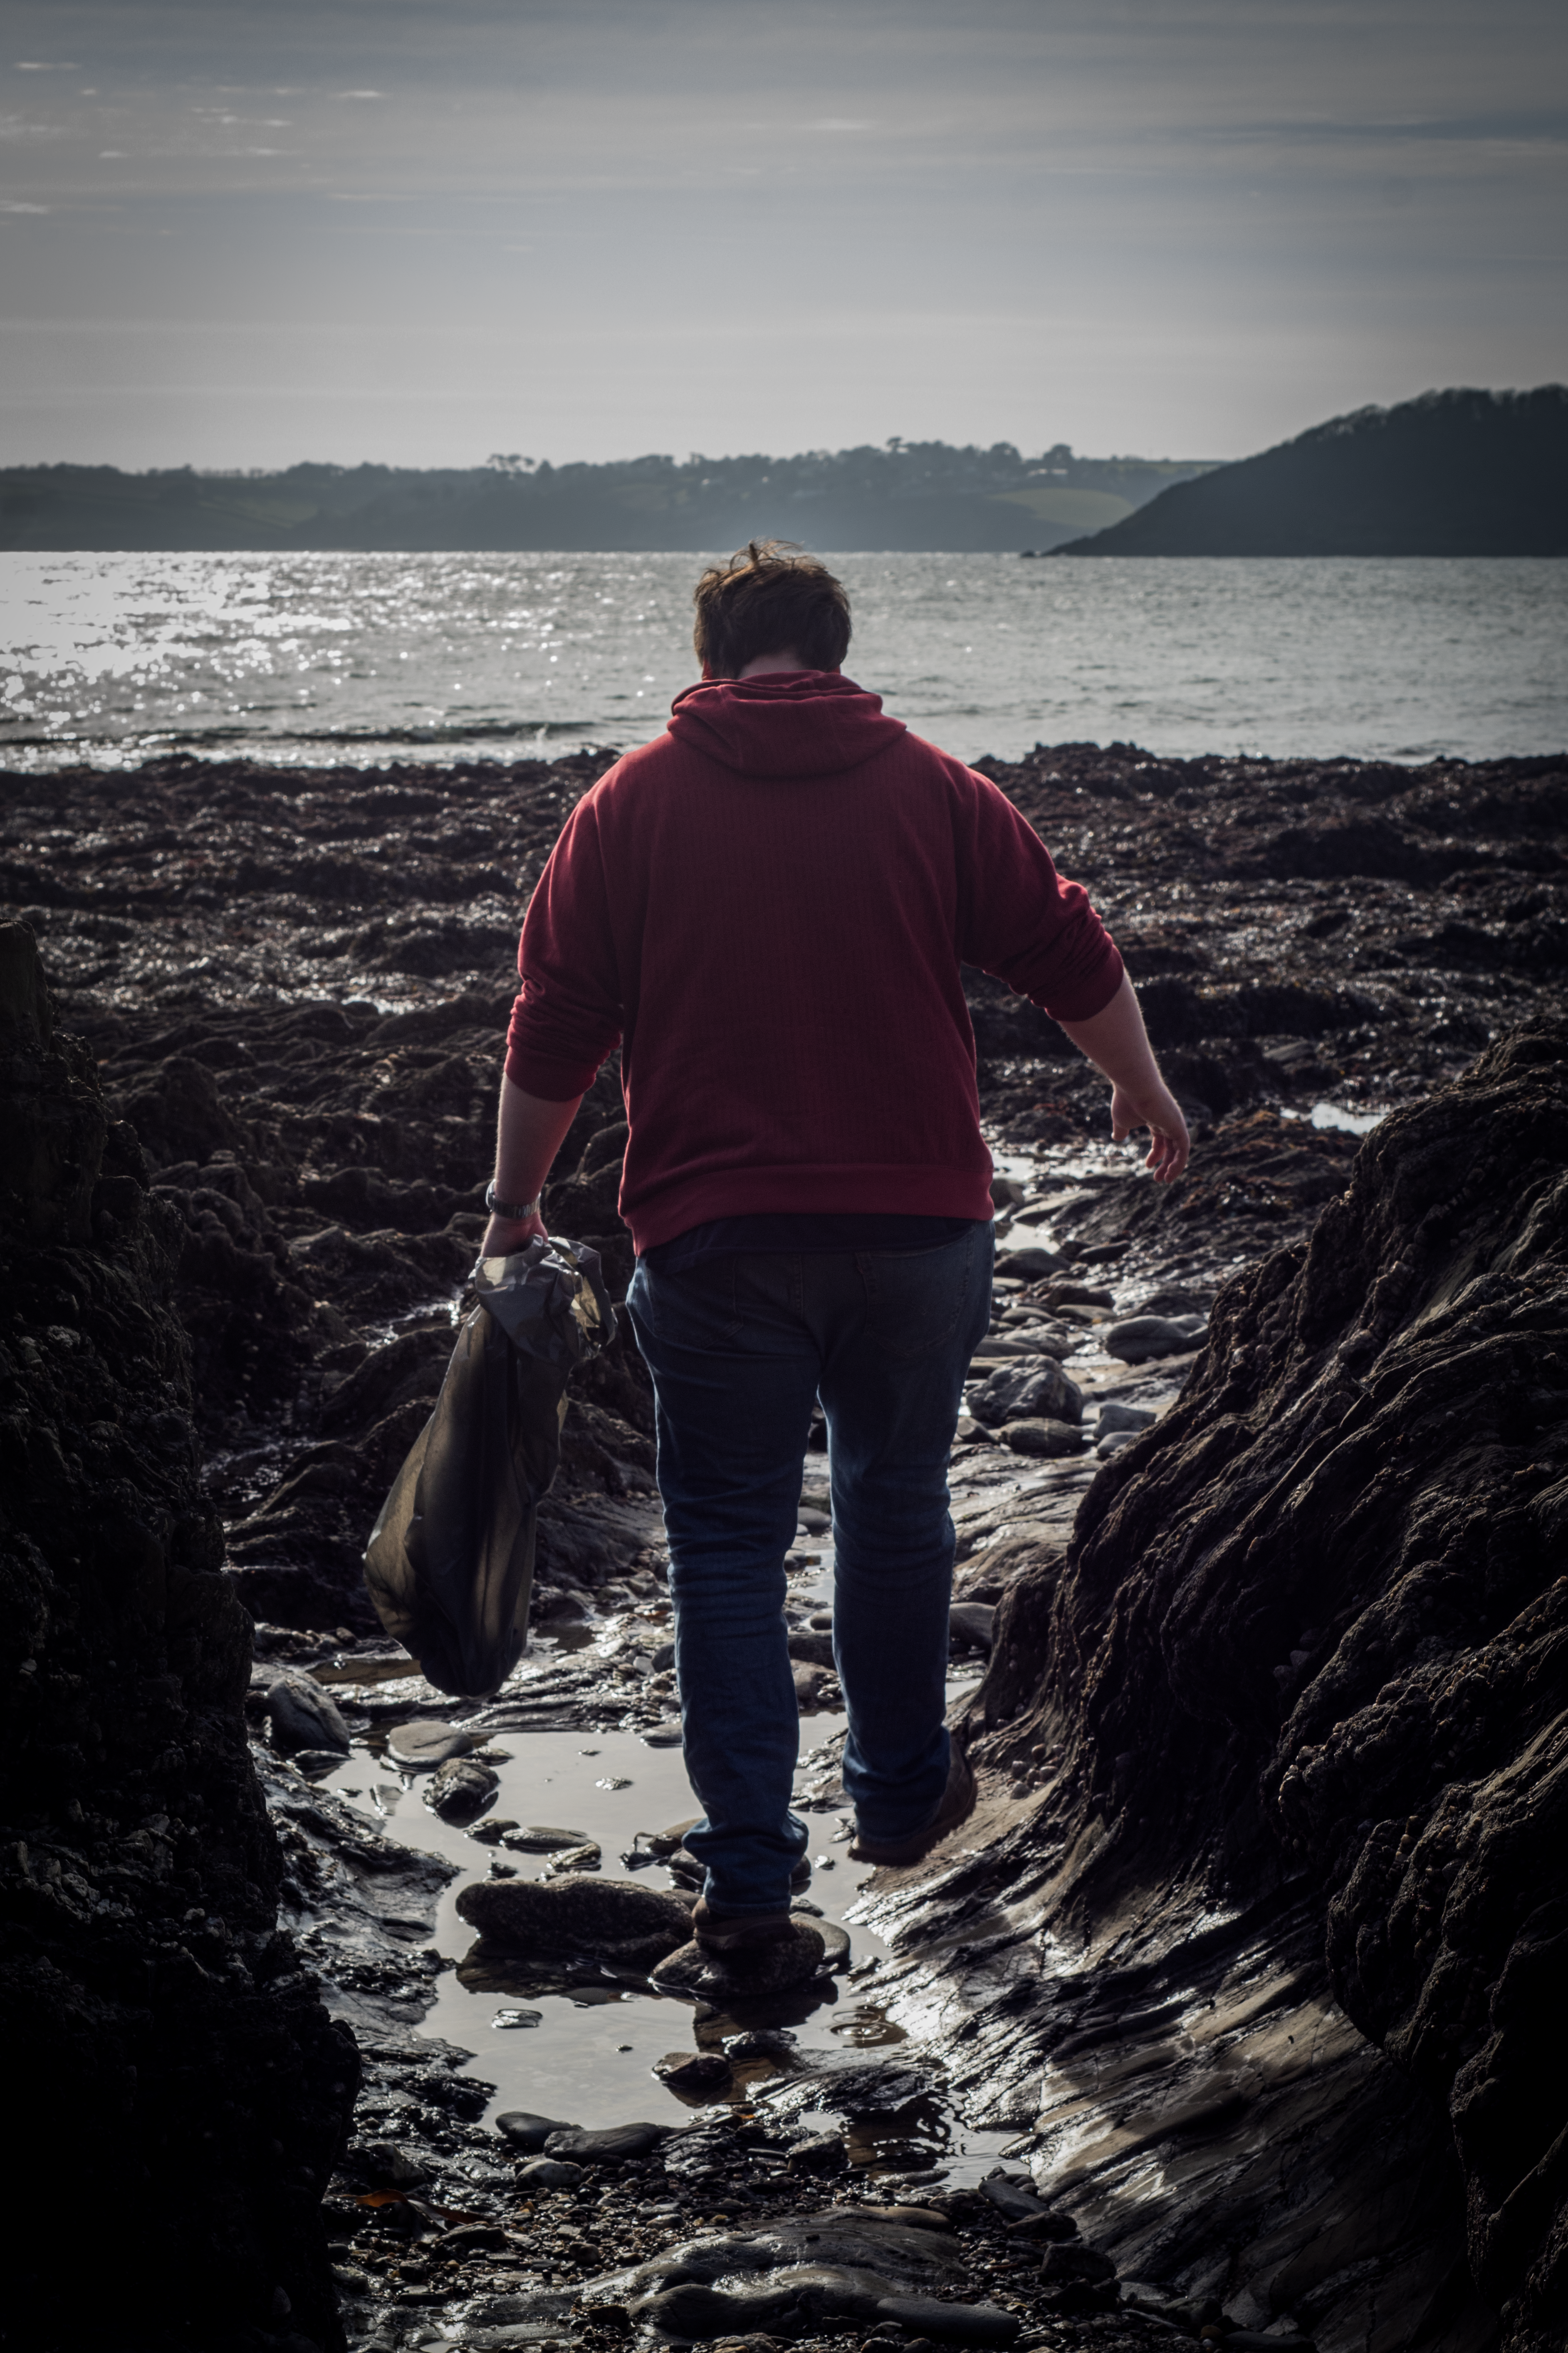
[(362, 659)]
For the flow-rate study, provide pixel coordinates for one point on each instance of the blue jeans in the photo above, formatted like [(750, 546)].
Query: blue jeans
[(739, 1348)]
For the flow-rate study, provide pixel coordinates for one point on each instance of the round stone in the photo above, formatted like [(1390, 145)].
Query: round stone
[(422, 1746)]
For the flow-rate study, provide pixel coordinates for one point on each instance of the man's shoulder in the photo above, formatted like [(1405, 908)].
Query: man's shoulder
[(644, 764)]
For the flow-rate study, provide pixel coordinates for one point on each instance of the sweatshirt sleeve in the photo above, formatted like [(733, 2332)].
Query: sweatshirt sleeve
[(568, 1014), (1022, 921)]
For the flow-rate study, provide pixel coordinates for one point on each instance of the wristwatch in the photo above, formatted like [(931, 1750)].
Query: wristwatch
[(500, 1208)]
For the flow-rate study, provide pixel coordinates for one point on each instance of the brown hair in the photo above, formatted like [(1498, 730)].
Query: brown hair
[(767, 600)]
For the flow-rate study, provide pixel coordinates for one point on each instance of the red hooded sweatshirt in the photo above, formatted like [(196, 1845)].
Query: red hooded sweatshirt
[(768, 906)]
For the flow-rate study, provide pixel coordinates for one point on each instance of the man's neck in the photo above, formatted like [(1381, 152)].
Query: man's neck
[(786, 659)]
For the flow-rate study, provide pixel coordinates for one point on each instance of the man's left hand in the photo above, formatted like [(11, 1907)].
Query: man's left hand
[(503, 1236)]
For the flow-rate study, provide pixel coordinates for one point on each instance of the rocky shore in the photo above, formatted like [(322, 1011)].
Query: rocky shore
[(1250, 1946)]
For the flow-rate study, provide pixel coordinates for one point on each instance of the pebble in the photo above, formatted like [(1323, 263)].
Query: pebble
[(811, 1649), (303, 1716), (537, 1838), (460, 1787), (1142, 1337), (605, 2144), (976, 1621), (548, 2173), (692, 2070), (517, 2018), (522, 2129), (587, 1857), (1113, 1415), (1029, 1385), (423, 1743), (1031, 1260), (760, 2042), (669, 1735), (1042, 1438)]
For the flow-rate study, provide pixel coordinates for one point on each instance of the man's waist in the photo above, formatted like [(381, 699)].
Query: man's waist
[(788, 1233)]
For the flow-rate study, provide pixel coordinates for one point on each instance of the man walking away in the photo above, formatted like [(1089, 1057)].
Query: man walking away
[(768, 906)]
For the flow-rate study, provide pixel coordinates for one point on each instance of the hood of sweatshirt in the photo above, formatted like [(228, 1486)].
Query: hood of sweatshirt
[(790, 723)]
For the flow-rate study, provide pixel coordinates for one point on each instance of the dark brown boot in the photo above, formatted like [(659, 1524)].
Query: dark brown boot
[(957, 1805)]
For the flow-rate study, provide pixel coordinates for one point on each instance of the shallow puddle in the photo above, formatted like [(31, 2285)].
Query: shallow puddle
[(587, 2056)]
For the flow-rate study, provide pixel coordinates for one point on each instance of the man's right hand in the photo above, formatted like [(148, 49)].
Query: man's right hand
[(1116, 1043), (1155, 1107)]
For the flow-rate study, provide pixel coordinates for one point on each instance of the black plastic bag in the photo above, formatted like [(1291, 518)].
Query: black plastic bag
[(449, 1563)]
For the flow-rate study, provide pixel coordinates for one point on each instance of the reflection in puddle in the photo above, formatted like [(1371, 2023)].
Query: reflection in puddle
[(866, 2027), (574, 2041)]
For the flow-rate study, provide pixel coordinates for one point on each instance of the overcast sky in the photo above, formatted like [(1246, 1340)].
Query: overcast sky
[(247, 232)]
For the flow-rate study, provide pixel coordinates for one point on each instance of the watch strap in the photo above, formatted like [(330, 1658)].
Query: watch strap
[(500, 1208)]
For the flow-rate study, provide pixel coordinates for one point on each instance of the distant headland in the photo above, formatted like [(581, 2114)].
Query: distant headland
[(1453, 474), (905, 497)]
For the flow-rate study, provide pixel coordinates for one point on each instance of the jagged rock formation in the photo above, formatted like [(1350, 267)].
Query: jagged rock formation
[(177, 2092), (1301, 1684)]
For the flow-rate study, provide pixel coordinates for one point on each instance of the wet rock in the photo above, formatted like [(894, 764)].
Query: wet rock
[(820, 2153), (520, 2129), (1030, 1259), (811, 1649), (972, 1623), (1073, 2261), (695, 2074), (1012, 2194), (1112, 1443), (419, 1746), (669, 1735), (539, 1837), (457, 1789), (1028, 1386), (810, 1683), (304, 1716), (1140, 1337), (1114, 1415), (548, 2173), (760, 2042), (1039, 1437), (628, 1927), (587, 1857), (705, 2150), (799, 2273), (605, 2144), (836, 1952), (492, 1832), (1300, 1644)]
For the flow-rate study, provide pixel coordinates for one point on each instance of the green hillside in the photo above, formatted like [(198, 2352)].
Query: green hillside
[(1453, 474), (904, 496)]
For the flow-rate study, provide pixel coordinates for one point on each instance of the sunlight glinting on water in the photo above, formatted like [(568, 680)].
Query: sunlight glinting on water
[(322, 657)]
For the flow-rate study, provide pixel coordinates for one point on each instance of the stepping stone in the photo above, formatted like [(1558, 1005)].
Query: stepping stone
[(423, 1745), (612, 1920)]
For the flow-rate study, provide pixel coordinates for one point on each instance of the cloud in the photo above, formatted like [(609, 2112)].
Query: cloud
[(38, 65), (13, 208)]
